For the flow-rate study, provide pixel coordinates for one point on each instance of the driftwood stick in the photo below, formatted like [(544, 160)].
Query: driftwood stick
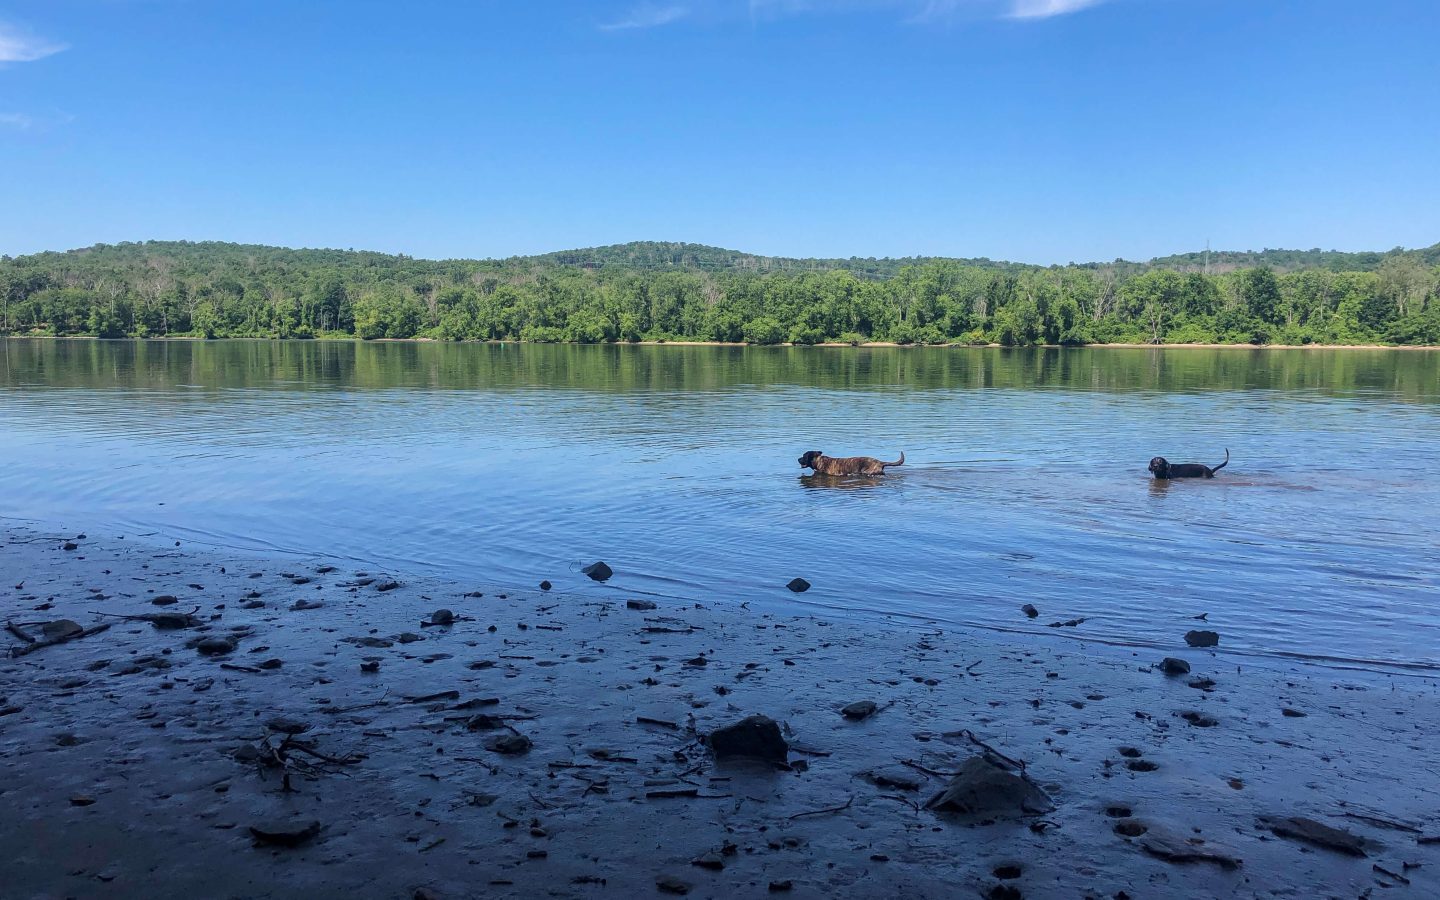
[(41, 645), (829, 809), (15, 630)]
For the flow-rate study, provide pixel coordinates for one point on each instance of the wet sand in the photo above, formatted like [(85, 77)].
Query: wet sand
[(135, 765)]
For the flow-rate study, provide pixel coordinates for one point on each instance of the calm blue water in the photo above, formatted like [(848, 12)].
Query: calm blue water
[(1026, 480)]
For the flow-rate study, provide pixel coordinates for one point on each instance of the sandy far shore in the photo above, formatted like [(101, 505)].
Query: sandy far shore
[(136, 766)]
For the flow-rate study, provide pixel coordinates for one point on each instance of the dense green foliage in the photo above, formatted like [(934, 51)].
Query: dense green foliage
[(680, 292)]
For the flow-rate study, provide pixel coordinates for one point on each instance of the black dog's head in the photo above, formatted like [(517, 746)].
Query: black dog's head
[(807, 460), (1159, 467)]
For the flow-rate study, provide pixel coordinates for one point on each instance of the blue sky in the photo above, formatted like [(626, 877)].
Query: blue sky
[(1034, 130)]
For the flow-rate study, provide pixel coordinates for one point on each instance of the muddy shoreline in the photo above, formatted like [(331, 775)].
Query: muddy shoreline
[(137, 765)]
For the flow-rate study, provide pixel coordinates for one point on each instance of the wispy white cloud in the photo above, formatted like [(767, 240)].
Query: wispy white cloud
[(1044, 9), (925, 11), (648, 16), (20, 46), (17, 120)]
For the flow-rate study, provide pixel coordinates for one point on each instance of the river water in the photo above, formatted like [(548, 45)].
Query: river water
[(1025, 479)]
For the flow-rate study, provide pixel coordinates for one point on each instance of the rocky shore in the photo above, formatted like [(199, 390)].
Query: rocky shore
[(185, 723)]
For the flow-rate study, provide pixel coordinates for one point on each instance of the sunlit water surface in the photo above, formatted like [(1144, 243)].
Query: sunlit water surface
[(1025, 481)]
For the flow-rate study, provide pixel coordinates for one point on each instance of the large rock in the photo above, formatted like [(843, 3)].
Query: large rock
[(984, 788), (754, 737)]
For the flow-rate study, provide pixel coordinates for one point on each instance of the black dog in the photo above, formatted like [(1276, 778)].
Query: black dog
[(1163, 469)]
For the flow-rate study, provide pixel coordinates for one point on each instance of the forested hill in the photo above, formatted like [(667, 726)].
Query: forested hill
[(655, 255), (679, 292)]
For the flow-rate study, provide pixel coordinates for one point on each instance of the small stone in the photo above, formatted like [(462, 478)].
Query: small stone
[(215, 646), (640, 604), (1202, 638), (81, 800), (302, 605), (777, 887), (253, 604), (1172, 666), (387, 586), (1292, 713), (697, 661), (370, 667), (545, 585), (271, 664), (669, 884), (598, 571), (287, 725), (442, 617), (165, 600), (798, 585), (1199, 719), (1030, 611), (859, 710)]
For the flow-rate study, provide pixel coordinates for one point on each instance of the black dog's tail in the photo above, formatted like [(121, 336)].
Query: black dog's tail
[(898, 462), (1224, 464)]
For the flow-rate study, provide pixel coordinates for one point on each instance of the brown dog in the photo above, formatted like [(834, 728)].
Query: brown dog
[(847, 465)]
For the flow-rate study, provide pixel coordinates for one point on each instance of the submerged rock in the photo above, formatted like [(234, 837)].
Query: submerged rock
[(860, 709), (1317, 833), (285, 834), (1173, 849), (509, 744), (754, 737), (598, 571), (798, 585), (984, 788), (1202, 638), (60, 629), (441, 617), (1030, 611)]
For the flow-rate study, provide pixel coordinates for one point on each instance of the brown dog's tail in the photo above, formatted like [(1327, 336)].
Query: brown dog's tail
[(898, 462), (1214, 470)]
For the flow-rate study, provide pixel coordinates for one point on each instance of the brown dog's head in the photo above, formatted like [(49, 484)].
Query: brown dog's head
[(1159, 467), (807, 461)]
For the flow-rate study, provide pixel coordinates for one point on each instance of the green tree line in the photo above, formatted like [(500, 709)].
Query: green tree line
[(649, 293)]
